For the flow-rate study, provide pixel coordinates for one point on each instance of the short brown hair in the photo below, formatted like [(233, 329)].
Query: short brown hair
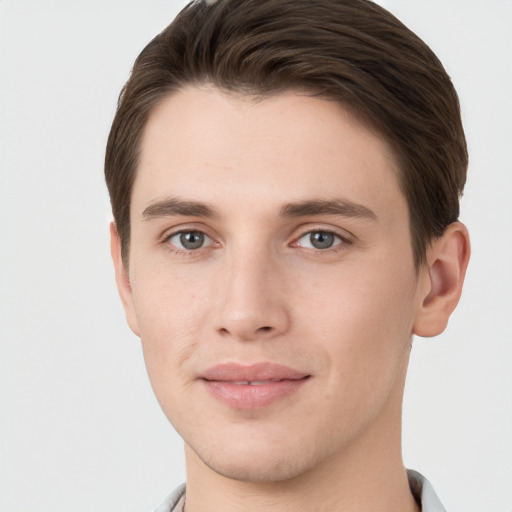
[(351, 51)]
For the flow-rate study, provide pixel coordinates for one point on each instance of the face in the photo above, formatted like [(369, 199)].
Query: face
[(271, 280)]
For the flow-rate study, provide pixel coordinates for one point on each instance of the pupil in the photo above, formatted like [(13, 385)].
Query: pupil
[(192, 239), (321, 240)]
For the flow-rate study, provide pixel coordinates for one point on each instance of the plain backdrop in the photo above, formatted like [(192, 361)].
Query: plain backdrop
[(79, 427)]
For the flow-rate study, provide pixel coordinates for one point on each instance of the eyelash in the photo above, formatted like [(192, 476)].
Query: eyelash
[(183, 251), (343, 241)]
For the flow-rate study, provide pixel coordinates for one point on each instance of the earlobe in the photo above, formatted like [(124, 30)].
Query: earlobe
[(443, 276), (122, 279)]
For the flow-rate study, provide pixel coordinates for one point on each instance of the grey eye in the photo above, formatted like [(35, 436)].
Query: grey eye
[(190, 240), (320, 240)]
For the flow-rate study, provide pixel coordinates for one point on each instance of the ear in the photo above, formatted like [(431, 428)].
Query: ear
[(122, 279), (443, 277)]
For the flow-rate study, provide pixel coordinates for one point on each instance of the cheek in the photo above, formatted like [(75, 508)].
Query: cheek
[(363, 321), (170, 318), (166, 301), (370, 298)]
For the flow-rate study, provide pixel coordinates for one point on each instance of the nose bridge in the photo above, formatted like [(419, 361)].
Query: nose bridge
[(252, 303)]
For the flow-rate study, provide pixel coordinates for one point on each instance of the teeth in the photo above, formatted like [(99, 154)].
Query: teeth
[(252, 382)]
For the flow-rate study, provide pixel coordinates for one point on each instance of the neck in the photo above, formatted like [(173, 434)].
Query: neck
[(368, 476)]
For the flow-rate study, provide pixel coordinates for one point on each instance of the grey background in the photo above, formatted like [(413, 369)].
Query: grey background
[(79, 427)]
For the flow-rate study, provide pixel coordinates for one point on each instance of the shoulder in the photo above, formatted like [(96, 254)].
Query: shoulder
[(420, 488), (424, 493), (174, 502)]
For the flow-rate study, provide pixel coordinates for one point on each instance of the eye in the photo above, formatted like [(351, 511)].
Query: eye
[(189, 240), (320, 240)]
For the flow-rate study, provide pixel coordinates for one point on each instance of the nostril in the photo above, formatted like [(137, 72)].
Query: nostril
[(247, 330)]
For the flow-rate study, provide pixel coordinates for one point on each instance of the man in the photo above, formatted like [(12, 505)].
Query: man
[(284, 178)]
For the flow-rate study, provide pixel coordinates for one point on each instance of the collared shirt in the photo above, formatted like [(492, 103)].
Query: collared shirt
[(420, 487)]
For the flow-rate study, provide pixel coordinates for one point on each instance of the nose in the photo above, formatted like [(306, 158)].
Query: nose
[(252, 302)]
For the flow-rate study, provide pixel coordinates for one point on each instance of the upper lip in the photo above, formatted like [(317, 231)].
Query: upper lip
[(264, 371)]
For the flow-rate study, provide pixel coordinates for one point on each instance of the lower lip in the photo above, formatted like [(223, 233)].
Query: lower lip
[(249, 397)]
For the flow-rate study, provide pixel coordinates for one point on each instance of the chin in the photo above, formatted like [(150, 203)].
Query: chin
[(257, 471), (255, 460)]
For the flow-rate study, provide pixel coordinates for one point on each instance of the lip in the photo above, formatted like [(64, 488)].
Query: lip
[(252, 386)]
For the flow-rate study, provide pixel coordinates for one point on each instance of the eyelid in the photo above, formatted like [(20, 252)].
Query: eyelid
[(169, 233), (346, 237), (208, 240), (306, 229), (184, 228), (337, 240)]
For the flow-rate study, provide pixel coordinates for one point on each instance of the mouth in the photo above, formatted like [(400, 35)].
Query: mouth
[(254, 382), (249, 387)]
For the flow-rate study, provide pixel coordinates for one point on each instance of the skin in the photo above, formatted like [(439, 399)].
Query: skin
[(258, 290)]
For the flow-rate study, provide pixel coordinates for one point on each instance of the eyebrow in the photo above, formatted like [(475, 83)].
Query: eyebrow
[(174, 207), (331, 207)]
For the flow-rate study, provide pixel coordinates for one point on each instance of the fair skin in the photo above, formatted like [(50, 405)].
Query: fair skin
[(271, 238)]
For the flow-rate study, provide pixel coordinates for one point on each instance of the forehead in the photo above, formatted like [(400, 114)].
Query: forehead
[(206, 145)]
